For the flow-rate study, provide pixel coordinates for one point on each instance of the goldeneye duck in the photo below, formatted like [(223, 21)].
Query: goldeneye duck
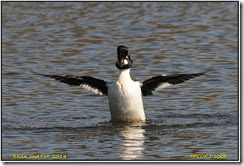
[(124, 94)]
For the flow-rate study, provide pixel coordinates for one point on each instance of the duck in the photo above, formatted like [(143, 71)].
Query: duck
[(124, 94)]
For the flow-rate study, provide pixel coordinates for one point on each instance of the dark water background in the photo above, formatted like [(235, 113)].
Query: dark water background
[(43, 116)]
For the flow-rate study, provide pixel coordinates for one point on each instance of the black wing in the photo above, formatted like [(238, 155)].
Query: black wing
[(96, 85), (159, 82)]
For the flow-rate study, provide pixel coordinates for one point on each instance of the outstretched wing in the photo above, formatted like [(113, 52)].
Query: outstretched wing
[(96, 85), (159, 82)]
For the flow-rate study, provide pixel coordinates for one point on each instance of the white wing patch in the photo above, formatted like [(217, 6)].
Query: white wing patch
[(163, 85), (87, 87)]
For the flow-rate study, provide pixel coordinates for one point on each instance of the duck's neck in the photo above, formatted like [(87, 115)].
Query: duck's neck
[(124, 74)]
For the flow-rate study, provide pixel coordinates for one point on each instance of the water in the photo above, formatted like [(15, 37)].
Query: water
[(45, 117)]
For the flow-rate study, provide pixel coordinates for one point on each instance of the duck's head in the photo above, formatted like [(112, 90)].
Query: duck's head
[(124, 61)]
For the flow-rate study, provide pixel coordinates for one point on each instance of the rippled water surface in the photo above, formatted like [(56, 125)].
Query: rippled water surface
[(43, 116)]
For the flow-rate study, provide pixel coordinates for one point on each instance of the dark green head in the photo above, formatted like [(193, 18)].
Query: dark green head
[(124, 61)]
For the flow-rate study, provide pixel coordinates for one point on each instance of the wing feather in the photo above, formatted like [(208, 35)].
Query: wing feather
[(96, 85), (159, 82)]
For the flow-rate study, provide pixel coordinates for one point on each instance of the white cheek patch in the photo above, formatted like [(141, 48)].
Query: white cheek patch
[(125, 62)]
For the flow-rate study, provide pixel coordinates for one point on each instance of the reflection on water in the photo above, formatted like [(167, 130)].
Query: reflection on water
[(132, 143), (40, 115)]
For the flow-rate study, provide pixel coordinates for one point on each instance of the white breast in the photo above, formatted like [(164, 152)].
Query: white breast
[(125, 99)]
